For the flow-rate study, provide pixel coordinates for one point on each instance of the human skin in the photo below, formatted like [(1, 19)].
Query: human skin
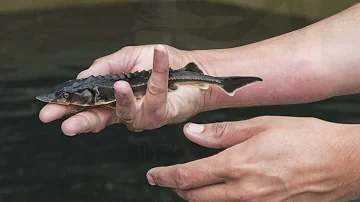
[(306, 65), (281, 158), (156, 109), (268, 159)]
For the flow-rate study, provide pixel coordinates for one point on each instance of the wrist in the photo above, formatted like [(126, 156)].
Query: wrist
[(337, 172), (332, 166), (348, 142)]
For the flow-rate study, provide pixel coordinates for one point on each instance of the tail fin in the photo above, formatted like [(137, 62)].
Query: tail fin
[(231, 84)]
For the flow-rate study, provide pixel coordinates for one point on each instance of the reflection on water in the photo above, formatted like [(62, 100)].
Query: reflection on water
[(40, 49)]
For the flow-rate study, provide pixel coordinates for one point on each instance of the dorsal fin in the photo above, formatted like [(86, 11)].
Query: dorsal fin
[(192, 67)]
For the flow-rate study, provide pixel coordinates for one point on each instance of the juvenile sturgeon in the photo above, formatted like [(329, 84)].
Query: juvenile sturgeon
[(99, 90)]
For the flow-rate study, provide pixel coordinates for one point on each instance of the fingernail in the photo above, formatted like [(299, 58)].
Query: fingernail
[(150, 180), (195, 128), (69, 134)]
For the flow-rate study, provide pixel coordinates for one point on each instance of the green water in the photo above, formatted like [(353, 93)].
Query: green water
[(40, 48)]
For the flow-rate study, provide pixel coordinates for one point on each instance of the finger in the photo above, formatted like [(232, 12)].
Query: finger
[(211, 193), (93, 120), (101, 66), (224, 134), (156, 94), (125, 103), (190, 175), (51, 112)]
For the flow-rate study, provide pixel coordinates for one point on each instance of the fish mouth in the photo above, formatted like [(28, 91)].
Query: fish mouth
[(49, 98)]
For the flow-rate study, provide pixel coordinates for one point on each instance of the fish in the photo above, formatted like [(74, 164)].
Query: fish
[(99, 90)]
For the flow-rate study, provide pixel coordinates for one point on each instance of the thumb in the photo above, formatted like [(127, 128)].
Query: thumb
[(222, 134)]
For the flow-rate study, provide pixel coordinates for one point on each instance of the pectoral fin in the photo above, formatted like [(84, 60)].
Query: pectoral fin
[(203, 86), (173, 87)]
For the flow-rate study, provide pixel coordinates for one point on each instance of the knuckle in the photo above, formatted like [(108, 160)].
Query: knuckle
[(222, 129), (126, 48), (87, 123), (133, 128), (181, 176), (128, 119), (82, 74), (102, 61), (125, 114), (98, 60), (96, 121), (97, 128), (243, 195), (154, 88), (121, 50), (234, 168)]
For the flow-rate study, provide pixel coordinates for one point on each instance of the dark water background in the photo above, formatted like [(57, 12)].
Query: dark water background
[(39, 49)]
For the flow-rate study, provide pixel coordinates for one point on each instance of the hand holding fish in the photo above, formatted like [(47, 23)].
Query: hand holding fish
[(310, 68), (155, 107), (268, 159), (280, 158)]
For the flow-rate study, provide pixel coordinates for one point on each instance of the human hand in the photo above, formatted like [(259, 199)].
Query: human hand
[(268, 159), (156, 109)]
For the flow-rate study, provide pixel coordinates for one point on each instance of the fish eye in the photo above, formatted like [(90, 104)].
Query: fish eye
[(65, 95)]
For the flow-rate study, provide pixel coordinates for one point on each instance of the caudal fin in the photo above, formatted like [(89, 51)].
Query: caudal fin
[(231, 84)]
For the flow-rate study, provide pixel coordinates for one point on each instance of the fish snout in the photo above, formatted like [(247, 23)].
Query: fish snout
[(47, 97)]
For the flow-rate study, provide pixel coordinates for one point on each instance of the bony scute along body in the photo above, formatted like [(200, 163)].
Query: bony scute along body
[(98, 90)]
